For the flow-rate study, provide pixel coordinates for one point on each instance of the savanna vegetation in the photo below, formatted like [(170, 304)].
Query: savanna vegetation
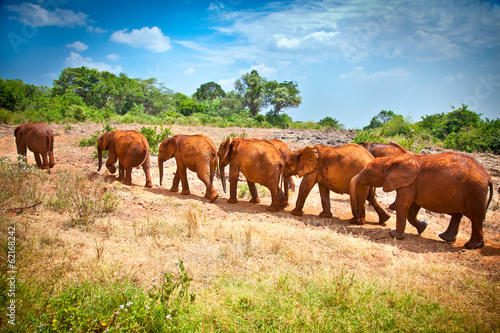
[(83, 94)]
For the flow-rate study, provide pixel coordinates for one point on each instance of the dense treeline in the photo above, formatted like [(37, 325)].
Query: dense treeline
[(83, 94)]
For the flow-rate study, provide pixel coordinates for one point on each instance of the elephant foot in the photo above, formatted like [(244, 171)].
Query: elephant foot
[(232, 201), (44, 167), (325, 214), (420, 225), (185, 192), (297, 212), (474, 244), (51, 165), (149, 184), (273, 208), (127, 182), (174, 189), (213, 198), (254, 200), (357, 221), (397, 235), (111, 169)]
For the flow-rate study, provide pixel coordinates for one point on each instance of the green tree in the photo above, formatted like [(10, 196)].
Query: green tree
[(252, 88), (329, 122), (380, 119), (282, 95), (209, 91)]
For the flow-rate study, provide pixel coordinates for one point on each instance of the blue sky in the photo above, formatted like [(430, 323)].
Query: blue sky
[(351, 59)]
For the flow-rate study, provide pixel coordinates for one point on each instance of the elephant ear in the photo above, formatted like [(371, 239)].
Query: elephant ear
[(401, 171), (103, 141), (227, 147), (171, 146), (308, 160), (17, 132)]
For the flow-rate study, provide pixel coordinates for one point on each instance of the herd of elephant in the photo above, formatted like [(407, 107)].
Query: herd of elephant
[(451, 183)]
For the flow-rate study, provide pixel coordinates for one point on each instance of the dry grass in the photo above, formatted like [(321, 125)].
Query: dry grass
[(147, 233)]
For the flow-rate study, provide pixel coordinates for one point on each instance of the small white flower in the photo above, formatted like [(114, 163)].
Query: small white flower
[(129, 303), (168, 317), (122, 306), (147, 307)]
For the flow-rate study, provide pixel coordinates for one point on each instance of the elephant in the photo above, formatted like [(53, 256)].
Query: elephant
[(383, 149), (130, 148), (285, 152), (39, 138), (260, 162), (332, 169), (194, 152), (450, 183)]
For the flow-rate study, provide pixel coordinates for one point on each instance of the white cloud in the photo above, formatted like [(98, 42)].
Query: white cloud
[(97, 30), (78, 46), (151, 39), (113, 57), (262, 69), (189, 71), (214, 6), (227, 84), (76, 60), (36, 16), (51, 75), (393, 75)]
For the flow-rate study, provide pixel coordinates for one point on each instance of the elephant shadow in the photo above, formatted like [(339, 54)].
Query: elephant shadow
[(377, 233)]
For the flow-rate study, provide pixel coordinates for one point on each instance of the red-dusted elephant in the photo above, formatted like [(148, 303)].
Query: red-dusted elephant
[(194, 152), (450, 183), (383, 149), (260, 162), (332, 169), (39, 138), (130, 149)]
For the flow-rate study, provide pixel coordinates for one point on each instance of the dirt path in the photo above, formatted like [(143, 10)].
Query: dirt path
[(69, 156)]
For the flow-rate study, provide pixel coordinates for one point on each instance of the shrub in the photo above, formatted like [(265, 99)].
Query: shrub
[(153, 138)]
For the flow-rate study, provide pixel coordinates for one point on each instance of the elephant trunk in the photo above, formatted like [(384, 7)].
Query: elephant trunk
[(99, 156), (352, 192), (222, 166), (160, 166)]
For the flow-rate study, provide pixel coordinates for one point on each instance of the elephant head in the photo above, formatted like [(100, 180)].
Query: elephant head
[(224, 155), (166, 151), (301, 162), (103, 144), (390, 173)]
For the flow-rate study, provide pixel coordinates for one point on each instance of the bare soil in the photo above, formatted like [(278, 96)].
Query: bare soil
[(139, 203)]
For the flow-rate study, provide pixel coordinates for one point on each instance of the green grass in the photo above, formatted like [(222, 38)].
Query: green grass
[(283, 302)]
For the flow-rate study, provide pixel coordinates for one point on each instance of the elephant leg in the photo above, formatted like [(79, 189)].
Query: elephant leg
[(253, 191), (362, 193), (110, 163), (128, 175), (234, 172), (182, 169), (175, 182), (324, 193), (207, 179), (45, 161), (381, 212), (404, 199), (476, 240), (121, 172), (450, 235), (305, 187), (412, 218), (38, 161), (146, 167), (275, 202)]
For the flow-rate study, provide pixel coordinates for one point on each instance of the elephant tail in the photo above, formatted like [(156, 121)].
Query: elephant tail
[(144, 160), (490, 184)]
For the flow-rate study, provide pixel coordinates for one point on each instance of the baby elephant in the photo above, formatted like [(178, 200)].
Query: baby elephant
[(130, 148), (38, 138), (450, 183), (194, 152)]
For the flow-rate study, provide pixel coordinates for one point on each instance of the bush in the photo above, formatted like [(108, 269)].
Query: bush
[(153, 138)]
